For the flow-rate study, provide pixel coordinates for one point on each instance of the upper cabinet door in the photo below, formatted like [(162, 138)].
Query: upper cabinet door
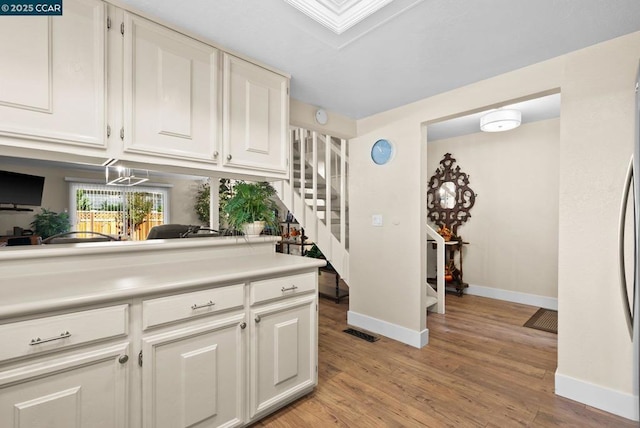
[(256, 117), (170, 92), (52, 77)]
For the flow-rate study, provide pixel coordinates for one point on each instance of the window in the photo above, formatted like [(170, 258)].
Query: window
[(128, 212)]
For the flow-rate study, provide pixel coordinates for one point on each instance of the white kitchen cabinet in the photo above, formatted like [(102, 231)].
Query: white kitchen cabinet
[(194, 376), (86, 389), (283, 348), (202, 333), (255, 117), (171, 92), (52, 78), (52, 373), (102, 82)]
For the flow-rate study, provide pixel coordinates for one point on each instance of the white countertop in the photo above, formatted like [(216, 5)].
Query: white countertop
[(119, 247), (48, 289)]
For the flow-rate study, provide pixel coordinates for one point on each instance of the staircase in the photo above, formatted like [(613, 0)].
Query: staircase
[(316, 193), (435, 297)]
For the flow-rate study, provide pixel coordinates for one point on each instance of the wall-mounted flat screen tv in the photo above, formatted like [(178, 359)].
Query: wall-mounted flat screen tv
[(20, 189)]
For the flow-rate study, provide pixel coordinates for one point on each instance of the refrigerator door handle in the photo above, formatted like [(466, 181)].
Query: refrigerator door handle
[(623, 276)]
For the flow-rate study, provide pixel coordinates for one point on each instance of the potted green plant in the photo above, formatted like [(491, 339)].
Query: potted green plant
[(48, 223), (251, 208), (203, 200)]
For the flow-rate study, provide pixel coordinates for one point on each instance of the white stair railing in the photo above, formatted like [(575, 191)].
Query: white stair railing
[(316, 193), (438, 294)]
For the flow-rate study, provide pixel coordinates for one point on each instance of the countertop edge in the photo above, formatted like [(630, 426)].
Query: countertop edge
[(196, 281)]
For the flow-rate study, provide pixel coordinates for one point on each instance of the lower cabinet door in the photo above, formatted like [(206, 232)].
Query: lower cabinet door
[(283, 352), (82, 390), (193, 376)]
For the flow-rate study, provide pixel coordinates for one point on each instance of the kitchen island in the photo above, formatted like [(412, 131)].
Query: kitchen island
[(210, 331)]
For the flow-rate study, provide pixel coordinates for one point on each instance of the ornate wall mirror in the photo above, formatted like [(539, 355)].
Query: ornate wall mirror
[(449, 197)]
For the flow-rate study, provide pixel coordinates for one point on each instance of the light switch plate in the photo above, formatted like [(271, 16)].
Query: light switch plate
[(376, 220)]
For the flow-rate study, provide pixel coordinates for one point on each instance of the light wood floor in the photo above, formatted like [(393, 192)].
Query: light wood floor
[(480, 369)]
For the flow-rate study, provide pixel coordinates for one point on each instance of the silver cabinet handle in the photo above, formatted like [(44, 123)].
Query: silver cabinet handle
[(293, 287), (258, 319), (38, 341), (215, 154), (206, 305), (229, 157), (123, 359), (243, 325), (623, 275)]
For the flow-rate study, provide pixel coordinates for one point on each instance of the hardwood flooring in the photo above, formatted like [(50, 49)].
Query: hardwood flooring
[(480, 369)]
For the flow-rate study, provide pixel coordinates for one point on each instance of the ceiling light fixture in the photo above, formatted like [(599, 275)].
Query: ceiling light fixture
[(126, 177), (500, 120)]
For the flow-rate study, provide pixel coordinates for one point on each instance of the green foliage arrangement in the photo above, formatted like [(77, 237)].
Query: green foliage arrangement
[(111, 206), (203, 200), (82, 201), (140, 206), (315, 253), (252, 202), (48, 223), (224, 194)]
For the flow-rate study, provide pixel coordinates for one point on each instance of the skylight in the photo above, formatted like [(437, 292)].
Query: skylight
[(338, 15)]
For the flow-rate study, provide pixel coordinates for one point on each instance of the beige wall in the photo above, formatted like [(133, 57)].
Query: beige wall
[(384, 274), (597, 133), (596, 137), (387, 265), (182, 199), (303, 115), (513, 230), (56, 195)]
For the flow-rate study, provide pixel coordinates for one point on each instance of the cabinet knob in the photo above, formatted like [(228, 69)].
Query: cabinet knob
[(243, 325), (257, 319), (215, 154), (229, 157), (123, 359)]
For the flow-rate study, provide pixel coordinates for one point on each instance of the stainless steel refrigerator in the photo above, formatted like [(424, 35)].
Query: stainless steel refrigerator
[(636, 250), (629, 244)]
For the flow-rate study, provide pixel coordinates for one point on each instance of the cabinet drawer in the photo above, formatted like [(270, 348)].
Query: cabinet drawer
[(32, 337), (278, 288), (188, 305)]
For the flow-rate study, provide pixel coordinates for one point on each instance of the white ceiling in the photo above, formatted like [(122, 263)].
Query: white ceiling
[(408, 50)]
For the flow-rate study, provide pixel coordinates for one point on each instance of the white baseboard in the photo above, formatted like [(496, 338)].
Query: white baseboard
[(513, 296), (609, 400), (417, 339)]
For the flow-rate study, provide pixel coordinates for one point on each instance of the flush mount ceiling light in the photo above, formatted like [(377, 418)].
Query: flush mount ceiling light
[(338, 15), (500, 120)]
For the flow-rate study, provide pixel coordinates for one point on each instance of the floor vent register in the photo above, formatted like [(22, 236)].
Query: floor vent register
[(362, 335)]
